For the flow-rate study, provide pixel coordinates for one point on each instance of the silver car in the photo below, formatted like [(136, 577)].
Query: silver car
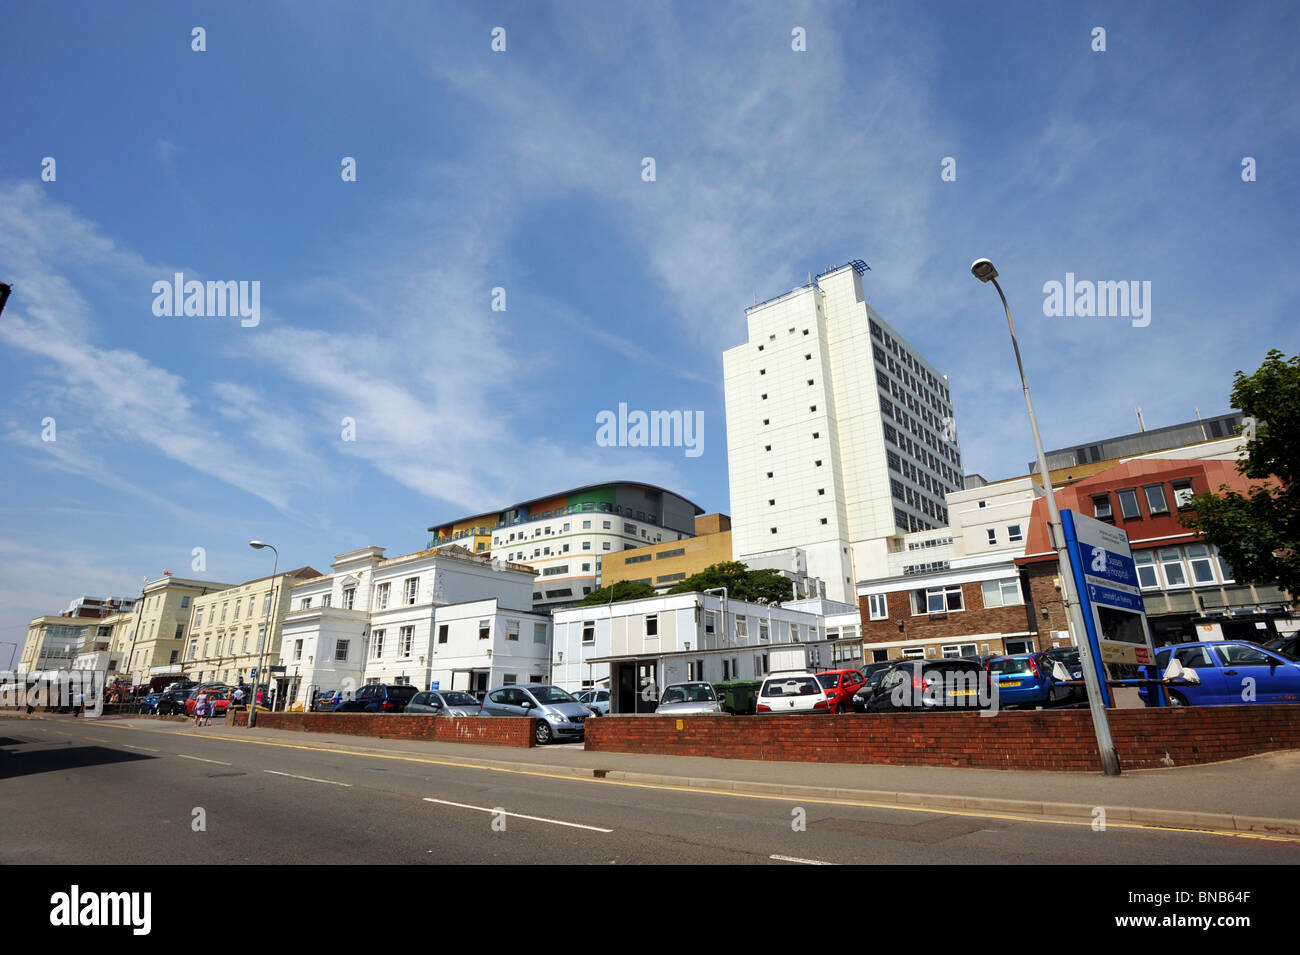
[(444, 703), (558, 715), (596, 700), (688, 699)]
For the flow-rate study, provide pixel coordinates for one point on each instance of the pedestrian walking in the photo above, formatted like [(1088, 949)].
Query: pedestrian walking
[(200, 707), (79, 702)]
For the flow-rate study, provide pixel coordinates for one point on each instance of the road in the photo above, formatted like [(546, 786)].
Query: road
[(86, 793)]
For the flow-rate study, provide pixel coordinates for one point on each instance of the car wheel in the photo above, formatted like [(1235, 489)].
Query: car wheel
[(542, 732), (1177, 699)]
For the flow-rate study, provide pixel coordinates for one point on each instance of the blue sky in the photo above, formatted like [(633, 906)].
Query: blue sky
[(522, 170)]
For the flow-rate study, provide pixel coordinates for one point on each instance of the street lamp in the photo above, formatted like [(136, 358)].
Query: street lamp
[(983, 270), (266, 636)]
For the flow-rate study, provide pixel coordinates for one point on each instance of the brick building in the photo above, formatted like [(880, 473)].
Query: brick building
[(1189, 591)]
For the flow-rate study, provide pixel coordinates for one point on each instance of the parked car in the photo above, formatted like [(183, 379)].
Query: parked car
[(1288, 646), (378, 698), (444, 703), (688, 699), (172, 702), (1028, 679), (866, 689), (795, 692), (927, 685), (840, 685), (1223, 668), (558, 714), (220, 702), (148, 705), (596, 700)]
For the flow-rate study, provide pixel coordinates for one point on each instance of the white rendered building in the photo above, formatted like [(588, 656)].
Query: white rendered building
[(379, 620), (840, 436)]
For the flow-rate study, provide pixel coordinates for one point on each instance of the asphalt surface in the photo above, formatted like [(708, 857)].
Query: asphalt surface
[(88, 793)]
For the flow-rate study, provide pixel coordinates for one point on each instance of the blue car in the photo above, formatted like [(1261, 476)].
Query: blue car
[(149, 704), (1025, 679), (1231, 673)]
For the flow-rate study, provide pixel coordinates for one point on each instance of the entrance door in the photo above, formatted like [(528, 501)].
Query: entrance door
[(626, 688), (479, 683), (647, 686)]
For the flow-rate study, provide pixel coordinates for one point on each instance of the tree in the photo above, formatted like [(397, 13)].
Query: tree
[(622, 590), (1258, 533), (741, 582)]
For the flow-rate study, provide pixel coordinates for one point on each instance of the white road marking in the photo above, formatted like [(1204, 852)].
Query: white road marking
[(310, 779), (516, 815), (97, 739), (800, 861), (145, 748), (202, 760)]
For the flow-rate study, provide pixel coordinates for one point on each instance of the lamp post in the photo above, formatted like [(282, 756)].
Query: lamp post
[(983, 270), (266, 637)]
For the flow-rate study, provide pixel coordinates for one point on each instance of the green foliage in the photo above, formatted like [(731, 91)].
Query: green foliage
[(741, 582), (1258, 533), (623, 590)]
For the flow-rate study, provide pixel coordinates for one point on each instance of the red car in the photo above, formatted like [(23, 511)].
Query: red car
[(219, 701), (839, 686)]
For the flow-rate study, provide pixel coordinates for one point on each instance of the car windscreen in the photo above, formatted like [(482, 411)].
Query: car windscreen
[(552, 694), (1009, 665), (791, 686), (828, 680), (459, 699)]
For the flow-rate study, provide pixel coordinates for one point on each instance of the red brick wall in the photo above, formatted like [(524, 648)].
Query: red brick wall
[(976, 618), (491, 731), (1028, 739)]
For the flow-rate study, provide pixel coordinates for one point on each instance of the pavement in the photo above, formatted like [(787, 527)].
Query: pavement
[(1257, 794)]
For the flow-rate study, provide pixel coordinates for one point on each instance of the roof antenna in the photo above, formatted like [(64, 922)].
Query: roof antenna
[(810, 278), (755, 298)]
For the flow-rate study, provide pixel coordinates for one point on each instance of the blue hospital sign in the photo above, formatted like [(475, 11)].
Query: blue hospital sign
[(1108, 587)]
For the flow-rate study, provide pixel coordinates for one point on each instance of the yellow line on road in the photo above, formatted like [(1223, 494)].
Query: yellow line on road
[(777, 797)]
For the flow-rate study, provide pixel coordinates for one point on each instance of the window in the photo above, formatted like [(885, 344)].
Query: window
[(1001, 593), (710, 621), (956, 651), (512, 630), (297, 649), (484, 629), (180, 631), (878, 605), (266, 604), (381, 596), (442, 632), (1146, 570), (993, 535), (1100, 506), (586, 525), (1128, 505), (377, 645), (223, 612), (185, 603), (1224, 569), (404, 639), (1182, 494), (678, 552), (937, 600), (340, 651), (198, 617), (1014, 535), (742, 627), (325, 600), (604, 545), (1198, 558), (235, 615), (1171, 561), (763, 630), (652, 625), (305, 605), (349, 597), (412, 586), (1156, 499)]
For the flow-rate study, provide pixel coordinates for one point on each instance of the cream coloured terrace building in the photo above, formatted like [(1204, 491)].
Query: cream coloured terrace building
[(227, 627), (160, 623)]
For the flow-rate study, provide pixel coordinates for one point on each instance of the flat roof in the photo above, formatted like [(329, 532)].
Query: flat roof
[(546, 497)]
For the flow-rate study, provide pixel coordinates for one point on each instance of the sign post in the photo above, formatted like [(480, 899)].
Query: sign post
[(1110, 598)]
